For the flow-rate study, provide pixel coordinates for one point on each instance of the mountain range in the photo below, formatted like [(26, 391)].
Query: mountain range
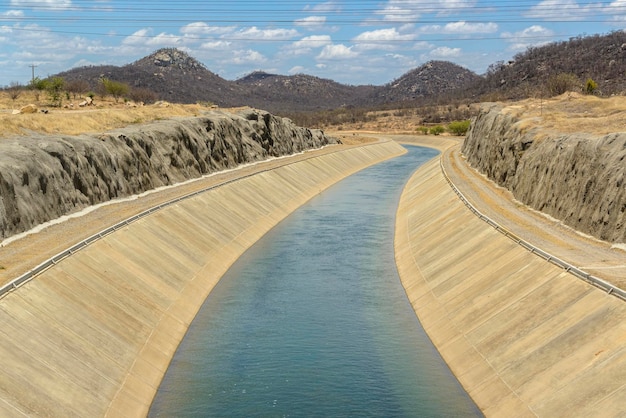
[(175, 76)]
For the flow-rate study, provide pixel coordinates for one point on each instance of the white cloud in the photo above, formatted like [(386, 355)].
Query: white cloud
[(336, 52), (144, 37), (531, 36), (255, 33), (248, 56), (202, 29), (311, 22), (216, 45), (48, 4), (383, 35), (461, 27), (563, 10), (444, 52), (381, 39), (411, 10), (13, 13), (314, 41), (326, 7), (298, 69)]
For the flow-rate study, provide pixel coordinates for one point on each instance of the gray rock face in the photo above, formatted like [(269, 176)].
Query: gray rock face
[(44, 177), (577, 178)]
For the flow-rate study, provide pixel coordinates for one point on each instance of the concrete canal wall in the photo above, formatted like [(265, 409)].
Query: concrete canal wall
[(94, 334), (523, 336)]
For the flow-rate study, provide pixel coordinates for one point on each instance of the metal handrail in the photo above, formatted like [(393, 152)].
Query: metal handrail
[(29, 275), (581, 274)]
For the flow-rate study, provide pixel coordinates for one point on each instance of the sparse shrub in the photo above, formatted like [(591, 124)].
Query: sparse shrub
[(143, 95), (459, 127), (14, 90), (437, 130), (77, 87), (116, 89), (54, 86), (562, 83), (590, 86), (37, 85), (423, 130)]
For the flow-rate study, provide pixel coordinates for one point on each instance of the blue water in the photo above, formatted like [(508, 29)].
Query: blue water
[(313, 320)]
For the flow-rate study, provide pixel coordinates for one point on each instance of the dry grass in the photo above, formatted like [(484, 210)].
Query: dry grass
[(105, 115), (568, 113), (571, 113)]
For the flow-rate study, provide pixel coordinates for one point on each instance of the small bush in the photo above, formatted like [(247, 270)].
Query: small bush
[(423, 130), (143, 95), (590, 86), (437, 130), (562, 83), (459, 127), (116, 89)]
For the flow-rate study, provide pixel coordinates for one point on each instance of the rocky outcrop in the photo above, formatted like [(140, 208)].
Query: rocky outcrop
[(577, 178), (44, 177)]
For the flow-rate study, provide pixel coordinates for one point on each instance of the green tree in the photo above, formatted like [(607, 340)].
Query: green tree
[(590, 86), (459, 127), (38, 85), (116, 89), (55, 86), (437, 130)]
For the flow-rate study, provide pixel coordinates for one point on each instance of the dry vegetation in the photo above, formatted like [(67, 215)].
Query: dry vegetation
[(106, 114), (572, 112), (568, 113)]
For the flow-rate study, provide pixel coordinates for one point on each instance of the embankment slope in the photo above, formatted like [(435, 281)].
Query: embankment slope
[(43, 177), (524, 337), (576, 177), (93, 335)]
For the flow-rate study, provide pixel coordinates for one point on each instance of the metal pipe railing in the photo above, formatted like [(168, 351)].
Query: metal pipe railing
[(593, 280), (29, 275)]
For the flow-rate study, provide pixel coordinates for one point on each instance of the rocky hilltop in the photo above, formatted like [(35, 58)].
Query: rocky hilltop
[(43, 177), (574, 177)]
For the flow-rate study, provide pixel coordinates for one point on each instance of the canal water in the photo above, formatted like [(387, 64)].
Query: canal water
[(312, 321)]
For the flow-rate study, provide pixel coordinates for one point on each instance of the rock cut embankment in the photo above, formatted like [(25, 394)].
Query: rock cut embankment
[(579, 179), (45, 177)]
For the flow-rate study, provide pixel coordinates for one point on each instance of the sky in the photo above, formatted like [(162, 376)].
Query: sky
[(351, 41)]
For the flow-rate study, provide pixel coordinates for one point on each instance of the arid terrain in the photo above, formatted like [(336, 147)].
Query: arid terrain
[(568, 113)]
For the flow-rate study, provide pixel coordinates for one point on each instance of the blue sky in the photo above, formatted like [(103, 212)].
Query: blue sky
[(353, 42)]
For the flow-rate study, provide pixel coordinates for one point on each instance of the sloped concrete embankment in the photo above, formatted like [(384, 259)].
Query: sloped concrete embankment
[(524, 337), (582, 178), (43, 177), (94, 335)]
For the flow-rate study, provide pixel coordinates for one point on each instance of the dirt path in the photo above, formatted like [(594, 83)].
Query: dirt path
[(587, 253), (595, 257)]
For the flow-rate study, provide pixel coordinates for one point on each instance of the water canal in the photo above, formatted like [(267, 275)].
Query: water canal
[(313, 320)]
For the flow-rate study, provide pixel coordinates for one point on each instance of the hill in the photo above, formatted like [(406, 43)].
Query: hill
[(175, 76), (532, 73), (431, 79), (302, 92)]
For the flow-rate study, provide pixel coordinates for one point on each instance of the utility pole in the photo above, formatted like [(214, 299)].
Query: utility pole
[(32, 66)]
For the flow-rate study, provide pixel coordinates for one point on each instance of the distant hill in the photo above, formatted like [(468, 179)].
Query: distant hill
[(171, 73), (431, 79), (301, 91), (175, 76), (599, 57)]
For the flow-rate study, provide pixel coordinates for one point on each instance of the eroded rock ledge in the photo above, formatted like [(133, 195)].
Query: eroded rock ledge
[(44, 177), (576, 178)]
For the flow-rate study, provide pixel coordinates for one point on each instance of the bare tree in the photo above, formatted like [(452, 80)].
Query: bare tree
[(14, 89)]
